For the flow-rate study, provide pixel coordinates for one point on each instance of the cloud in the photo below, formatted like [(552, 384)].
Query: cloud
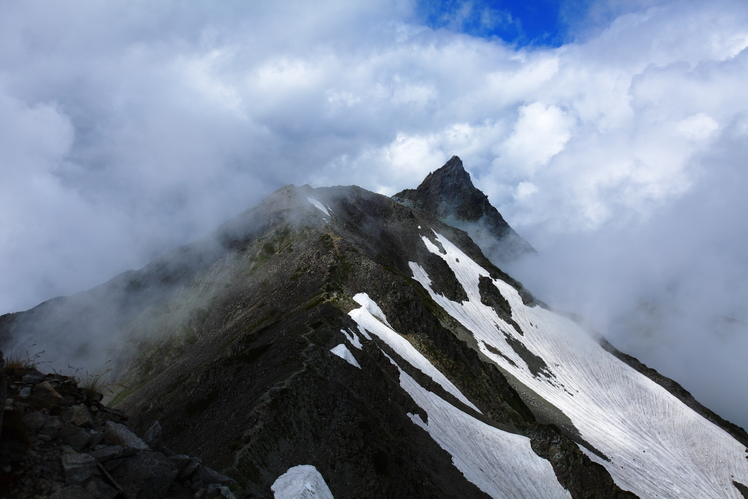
[(130, 128)]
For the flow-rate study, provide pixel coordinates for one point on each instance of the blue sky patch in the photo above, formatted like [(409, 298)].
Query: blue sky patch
[(523, 23)]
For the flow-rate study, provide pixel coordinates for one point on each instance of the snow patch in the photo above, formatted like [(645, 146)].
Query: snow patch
[(501, 464), (301, 482), (658, 447), (345, 354), (352, 338), (371, 306), (318, 205), (371, 318)]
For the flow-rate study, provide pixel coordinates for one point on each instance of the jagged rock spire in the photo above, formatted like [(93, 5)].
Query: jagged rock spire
[(449, 194)]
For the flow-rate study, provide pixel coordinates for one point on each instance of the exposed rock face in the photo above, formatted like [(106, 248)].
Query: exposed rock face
[(449, 194), (71, 447), (2, 388)]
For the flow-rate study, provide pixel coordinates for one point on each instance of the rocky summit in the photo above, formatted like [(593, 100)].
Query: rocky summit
[(449, 194), (333, 342)]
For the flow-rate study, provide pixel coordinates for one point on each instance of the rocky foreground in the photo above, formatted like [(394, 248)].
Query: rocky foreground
[(59, 441)]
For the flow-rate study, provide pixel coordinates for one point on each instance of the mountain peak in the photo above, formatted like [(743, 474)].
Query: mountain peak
[(449, 194)]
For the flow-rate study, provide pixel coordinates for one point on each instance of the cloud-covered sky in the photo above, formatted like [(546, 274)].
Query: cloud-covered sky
[(612, 134)]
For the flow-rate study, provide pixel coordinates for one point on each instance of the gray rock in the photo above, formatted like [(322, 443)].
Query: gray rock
[(2, 387), (191, 468), (147, 475), (216, 491), (44, 395), (34, 421), (74, 436), (79, 416), (154, 437), (119, 434), (96, 438), (181, 461), (78, 467), (32, 377), (24, 393), (72, 492), (100, 489), (112, 464), (107, 453), (209, 476), (51, 427)]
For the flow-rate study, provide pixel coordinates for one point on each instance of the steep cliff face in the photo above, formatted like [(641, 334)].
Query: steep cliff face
[(449, 194), (338, 337)]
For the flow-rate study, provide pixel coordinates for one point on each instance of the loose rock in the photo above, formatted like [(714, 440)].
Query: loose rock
[(119, 434), (44, 395), (78, 467)]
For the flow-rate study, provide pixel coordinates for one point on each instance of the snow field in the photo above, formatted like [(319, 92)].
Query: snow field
[(318, 205), (501, 464), (658, 447), (345, 354), (371, 318)]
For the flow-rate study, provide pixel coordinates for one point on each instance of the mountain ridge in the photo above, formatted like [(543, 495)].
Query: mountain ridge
[(344, 330), (449, 193)]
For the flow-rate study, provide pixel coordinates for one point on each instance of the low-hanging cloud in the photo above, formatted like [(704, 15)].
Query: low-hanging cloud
[(130, 128)]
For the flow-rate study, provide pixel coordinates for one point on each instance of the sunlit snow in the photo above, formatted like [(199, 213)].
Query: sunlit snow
[(352, 338), (345, 354), (318, 205), (501, 464), (371, 318), (658, 447), (301, 482)]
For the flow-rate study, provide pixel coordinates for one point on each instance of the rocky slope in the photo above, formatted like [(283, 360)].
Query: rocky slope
[(449, 194), (58, 441), (341, 340)]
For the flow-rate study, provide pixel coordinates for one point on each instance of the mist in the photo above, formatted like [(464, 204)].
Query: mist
[(669, 288)]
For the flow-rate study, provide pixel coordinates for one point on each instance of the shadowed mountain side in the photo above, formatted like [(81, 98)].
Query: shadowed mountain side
[(259, 359), (341, 329), (82, 329), (449, 194)]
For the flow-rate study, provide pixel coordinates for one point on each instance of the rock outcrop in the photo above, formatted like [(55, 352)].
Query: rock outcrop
[(449, 194), (60, 442)]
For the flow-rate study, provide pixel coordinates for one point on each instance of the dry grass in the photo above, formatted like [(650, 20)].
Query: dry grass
[(17, 362)]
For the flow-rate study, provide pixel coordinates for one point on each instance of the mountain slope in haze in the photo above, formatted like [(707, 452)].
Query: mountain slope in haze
[(449, 194), (337, 336)]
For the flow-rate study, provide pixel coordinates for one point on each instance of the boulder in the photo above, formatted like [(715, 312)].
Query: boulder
[(190, 468), (100, 489), (147, 475), (74, 436), (44, 395), (79, 416), (78, 467), (34, 421), (119, 434), (32, 377), (51, 427), (108, 453), (72, 492), (154, 437)]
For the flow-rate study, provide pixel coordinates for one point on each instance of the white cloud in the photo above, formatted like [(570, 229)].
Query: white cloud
[(540, 133)]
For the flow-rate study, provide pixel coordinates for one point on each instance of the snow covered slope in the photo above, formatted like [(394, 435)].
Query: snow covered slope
[(478, 450), (656, 446)]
